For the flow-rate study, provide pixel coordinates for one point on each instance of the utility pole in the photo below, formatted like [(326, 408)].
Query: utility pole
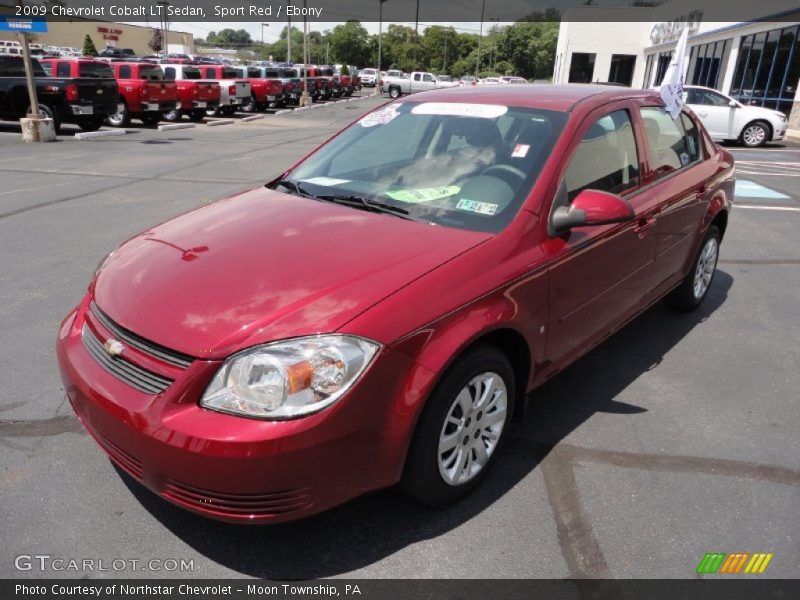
[(480, 37), (305, 99), (163, 12), (289, 40), (444, 66), (327, 52), (380, 36), (416, 35)]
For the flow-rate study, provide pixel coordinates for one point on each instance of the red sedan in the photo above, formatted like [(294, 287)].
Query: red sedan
[(376, 314)]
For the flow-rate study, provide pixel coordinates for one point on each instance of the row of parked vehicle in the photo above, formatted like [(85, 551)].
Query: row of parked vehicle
[(90, 92)]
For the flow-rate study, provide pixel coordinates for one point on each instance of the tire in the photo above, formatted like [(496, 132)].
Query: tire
[(394, 92), (90, 123), (251, 106), (694, 288), (439, 477), (150, 119), (49, 113), (755, 134), (213, 112), (172, 116), (120, 119), (197, 115)]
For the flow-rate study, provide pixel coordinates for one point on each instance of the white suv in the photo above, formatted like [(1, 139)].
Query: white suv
[(368, 77), (729, 119)]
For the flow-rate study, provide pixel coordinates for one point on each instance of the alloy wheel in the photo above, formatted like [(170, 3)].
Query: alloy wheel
[(754, 135), (472, 428), (706, 265)]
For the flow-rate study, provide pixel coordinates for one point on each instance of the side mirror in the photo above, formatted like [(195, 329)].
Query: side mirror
[(590, 207), (733, 104)]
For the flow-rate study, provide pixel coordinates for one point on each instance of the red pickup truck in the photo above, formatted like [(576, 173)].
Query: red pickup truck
[(195, 95), (146, 95), (265, 91)]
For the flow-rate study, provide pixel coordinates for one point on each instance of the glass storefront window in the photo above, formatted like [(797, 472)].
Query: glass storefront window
[(768, 68), (705, 63)]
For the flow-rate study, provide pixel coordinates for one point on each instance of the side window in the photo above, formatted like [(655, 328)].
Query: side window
[(48, 67), (712, 99), (667, 142), (169, 72), (63, 70), (427, 77), (606, 157), (417, 76), (125, 72)]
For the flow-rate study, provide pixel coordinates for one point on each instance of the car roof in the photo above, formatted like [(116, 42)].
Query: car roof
[(552, 97)]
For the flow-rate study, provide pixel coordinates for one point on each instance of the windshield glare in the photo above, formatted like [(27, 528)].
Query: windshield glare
[(468, 166)]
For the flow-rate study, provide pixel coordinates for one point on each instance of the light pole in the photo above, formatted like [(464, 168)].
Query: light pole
[(163, 11), (380, 37), (262, 32), (305, 99), (492, 31), (289, 39), (416, 34), (480, 37)]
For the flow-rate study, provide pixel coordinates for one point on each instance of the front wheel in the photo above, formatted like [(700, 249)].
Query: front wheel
[(693, 290), (394, 92), (461, 428), (755, 134)]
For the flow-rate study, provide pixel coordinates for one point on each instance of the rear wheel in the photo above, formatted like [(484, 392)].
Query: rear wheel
[(172, 115), (197, 115), (90, 123), (394, 92), (693, 290), (251, 106), (49, 113), (214, 112), (755, 134), (461, 428), (120, 119), (150, 119)]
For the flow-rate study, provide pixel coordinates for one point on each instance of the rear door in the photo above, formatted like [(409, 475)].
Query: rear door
[(676, 179), (600, 274)]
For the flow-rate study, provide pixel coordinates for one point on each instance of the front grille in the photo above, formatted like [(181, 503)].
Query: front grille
[(247, 505), (134, 341), (134, 375)]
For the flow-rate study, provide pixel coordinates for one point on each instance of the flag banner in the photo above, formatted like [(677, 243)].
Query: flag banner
[(672, 85)]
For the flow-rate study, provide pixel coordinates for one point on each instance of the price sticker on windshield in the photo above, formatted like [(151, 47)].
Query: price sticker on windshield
[(381, 117), (460, 109), (482, 208)]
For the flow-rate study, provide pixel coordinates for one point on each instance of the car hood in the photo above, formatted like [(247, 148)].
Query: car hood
[(263, 266)]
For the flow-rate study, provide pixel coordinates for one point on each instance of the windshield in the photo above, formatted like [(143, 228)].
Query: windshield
[(468, 166), (95, 69)]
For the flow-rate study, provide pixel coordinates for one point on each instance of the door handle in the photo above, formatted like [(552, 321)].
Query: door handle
[(643, 226), (702, 113)]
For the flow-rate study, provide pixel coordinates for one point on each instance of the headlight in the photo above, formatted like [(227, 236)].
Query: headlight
[(289, 379)]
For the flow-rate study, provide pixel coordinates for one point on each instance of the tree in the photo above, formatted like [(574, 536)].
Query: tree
[(345, 70), (156, 43), (89, 49), (350, 43), (230, 38)]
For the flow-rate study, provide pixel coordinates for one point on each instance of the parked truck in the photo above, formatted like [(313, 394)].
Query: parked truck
[(235, 91), (83, 95), (195, 95), (418, 81), (146, 95), (265, 91)]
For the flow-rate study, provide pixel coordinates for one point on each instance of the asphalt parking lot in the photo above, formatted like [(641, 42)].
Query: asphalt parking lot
[(676, 437)]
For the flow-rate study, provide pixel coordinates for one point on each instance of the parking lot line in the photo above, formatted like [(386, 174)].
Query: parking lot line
[(756, 207)]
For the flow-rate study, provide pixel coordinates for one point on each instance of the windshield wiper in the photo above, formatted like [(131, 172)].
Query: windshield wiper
[(293, 187), (371, 205)]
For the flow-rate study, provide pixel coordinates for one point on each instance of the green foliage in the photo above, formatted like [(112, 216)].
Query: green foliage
[(89, 49), (229, 38), (156, 43), (349, 44), (345, 70)]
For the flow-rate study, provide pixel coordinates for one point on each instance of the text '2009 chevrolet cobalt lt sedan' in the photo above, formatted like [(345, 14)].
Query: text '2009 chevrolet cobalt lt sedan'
[(374, 315)]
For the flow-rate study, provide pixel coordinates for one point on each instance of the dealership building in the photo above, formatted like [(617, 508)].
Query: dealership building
[(757, 61)]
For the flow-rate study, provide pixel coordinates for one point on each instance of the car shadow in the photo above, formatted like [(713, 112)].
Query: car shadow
[(375, 526)]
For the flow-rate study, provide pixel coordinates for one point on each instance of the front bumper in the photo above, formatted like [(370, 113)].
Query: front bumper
[(231, 468)]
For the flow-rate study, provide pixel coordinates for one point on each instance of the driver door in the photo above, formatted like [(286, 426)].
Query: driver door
[(714, 111), (600, 274)]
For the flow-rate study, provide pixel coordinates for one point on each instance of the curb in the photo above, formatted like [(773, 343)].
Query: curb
[(220, 122), (253, 118), (176, 126), (90, 135), (283, 112)]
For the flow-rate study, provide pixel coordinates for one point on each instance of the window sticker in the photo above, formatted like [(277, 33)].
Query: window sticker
[(520, 151), (424, 194), (460, 109), (482, 208), (685, 160), (381, 117), (326, 181)]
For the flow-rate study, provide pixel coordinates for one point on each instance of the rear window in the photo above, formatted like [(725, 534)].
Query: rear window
[(253, 72), (191, 73), (290, 73), (95, 70), (151, 73), (229, 74)]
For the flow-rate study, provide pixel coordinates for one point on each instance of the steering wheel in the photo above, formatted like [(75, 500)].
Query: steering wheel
[(506, 169)]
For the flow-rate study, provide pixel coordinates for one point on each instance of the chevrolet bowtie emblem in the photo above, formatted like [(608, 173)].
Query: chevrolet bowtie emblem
[(114, 347), (99, 92)]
